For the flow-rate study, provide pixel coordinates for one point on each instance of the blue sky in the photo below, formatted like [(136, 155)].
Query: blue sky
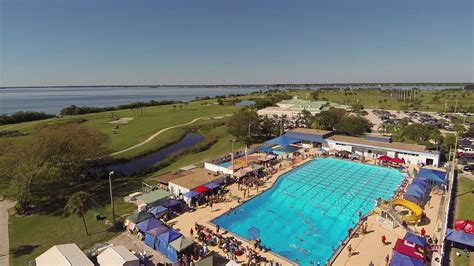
[(61, 42)]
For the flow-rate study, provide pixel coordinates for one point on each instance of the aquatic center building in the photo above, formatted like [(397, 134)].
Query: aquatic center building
[(370, 146), (293, 107)]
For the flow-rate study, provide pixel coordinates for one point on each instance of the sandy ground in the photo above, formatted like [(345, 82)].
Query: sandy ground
[(4, 242), (121, 121)]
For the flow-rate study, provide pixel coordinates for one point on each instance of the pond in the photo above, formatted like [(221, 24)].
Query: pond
[(149, 160), (246, 103)]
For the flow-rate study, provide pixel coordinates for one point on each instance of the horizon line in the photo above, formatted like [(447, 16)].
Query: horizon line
[(460, 83)]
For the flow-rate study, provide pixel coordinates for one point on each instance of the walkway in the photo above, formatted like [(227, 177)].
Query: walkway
[(4, 241), (164, 130)]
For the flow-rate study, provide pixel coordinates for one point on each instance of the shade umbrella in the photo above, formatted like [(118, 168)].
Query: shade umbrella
[(385, 158), (201, 189), (253, 233), (398, 161), (464, 225)]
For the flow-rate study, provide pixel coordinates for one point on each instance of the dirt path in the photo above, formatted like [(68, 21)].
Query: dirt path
[(4, 242), (164, 130)]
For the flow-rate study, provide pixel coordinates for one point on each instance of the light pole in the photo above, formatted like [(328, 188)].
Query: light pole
[(233, 141), (111, 198)]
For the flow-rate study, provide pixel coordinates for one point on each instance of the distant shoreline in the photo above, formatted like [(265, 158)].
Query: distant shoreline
[(275, 85)]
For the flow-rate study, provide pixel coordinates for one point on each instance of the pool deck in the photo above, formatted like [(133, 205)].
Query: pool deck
[(203, 215), (368, 247)]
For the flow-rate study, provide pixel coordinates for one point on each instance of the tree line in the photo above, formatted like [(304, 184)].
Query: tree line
[(23, 116), (80, 110)]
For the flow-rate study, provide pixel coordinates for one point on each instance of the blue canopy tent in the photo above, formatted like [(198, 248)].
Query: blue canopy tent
[(399, 259), (151, 235), (149, 224), (171, 203), (412, 198), (191, 194), (419, 240), (421, 182), (282, 140), (433, 176), (265, 149), (460, 237), (158, 211), (212, 185), (164, 241), (416, 188), (414, 193)]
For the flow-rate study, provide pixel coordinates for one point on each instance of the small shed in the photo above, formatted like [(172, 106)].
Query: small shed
[(153, 198), (66, 254), (117, 255)]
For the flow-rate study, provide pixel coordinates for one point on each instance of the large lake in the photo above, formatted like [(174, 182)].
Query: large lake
[(52, 100)]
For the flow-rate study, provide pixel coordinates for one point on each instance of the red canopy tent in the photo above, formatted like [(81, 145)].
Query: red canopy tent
[(398, 160), (410, 249), (384, 158), (464, 225), (201, 189)]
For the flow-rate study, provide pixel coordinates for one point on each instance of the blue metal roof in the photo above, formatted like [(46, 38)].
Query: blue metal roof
[(434, 175), (283, 140), (305, 137)]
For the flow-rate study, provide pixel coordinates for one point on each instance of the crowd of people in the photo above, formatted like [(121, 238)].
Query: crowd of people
[(231, 246)]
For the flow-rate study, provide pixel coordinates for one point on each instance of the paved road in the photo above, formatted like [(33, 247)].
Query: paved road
[(4, 244), (161, 131)]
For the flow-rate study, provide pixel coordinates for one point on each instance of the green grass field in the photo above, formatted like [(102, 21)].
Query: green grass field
[(140, 128), (32, 235), (464, 210), (383, 99)]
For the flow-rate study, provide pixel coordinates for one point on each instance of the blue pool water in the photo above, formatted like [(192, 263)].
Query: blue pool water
[(226, 164), (284, 150), (309, 209)]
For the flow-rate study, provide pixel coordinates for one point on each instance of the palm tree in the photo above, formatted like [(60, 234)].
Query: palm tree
[(79, 203)]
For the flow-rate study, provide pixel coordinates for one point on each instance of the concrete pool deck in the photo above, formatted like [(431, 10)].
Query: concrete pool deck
[(203, 215), (369, 246)]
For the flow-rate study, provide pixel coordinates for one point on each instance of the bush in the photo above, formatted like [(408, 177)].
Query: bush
[(23, 116)]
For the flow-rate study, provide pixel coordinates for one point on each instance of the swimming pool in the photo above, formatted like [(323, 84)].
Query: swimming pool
[(226, 164), (308, 210), (284, 150)]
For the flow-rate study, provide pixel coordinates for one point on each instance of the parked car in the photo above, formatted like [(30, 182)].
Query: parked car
[(468, 168)]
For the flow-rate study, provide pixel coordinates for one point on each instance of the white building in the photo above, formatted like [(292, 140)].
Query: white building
[(117, 256), (191, 180), (63, 255), (373, 147), (293, 107)]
